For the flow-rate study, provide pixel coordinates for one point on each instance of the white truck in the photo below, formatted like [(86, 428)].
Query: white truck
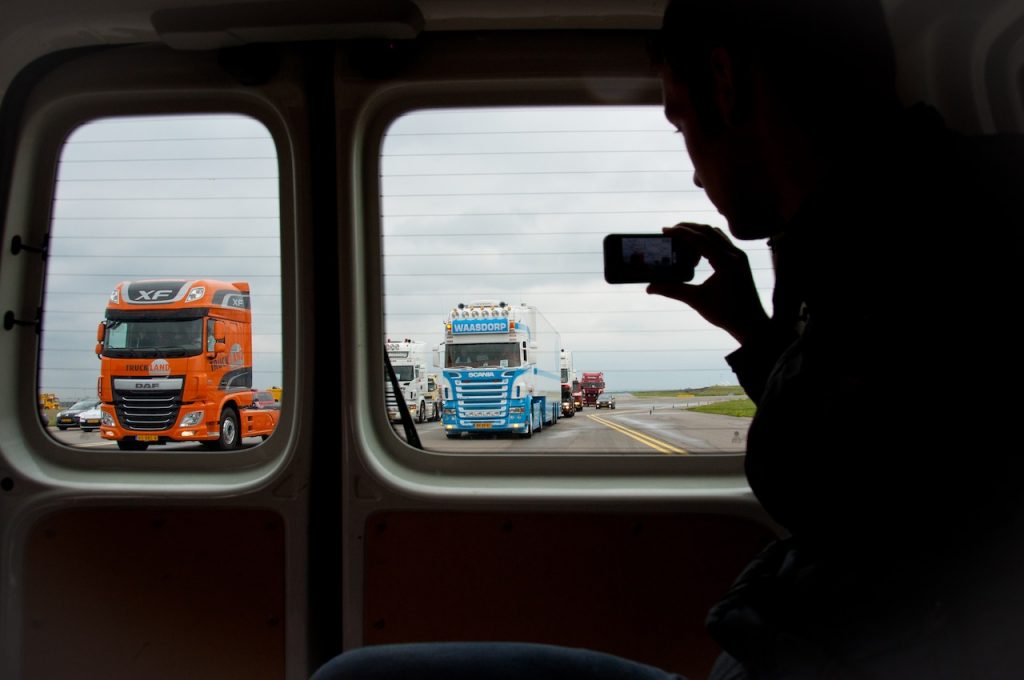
[(500, 370), (420, 389), (570, 386)]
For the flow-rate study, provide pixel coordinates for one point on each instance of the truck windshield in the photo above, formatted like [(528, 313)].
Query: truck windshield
[(482, 355), (404, 373), (153, 338)]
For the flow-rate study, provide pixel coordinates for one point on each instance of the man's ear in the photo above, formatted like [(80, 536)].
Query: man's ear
[(724, 91)]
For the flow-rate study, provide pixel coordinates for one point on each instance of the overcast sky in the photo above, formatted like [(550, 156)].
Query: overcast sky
[(508, 204), (513, 204)]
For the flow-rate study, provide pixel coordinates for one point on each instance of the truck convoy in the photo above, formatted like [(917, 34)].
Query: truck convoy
[(501, 369), (593, 386), (176, 365), (421, 390)]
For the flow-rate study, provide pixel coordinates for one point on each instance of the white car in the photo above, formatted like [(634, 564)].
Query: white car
[(90, 420)]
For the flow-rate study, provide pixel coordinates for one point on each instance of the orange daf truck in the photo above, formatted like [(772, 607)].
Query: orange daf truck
[(176, 365)]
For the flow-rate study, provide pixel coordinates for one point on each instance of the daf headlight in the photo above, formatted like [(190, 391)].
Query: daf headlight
[(107, 419), (191, 419)]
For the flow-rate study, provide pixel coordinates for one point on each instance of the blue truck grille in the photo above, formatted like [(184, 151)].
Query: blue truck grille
[(484, 398)]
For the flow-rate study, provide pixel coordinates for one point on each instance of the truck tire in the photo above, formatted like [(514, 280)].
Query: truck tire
[(421, 413), (453, 435), (132, 445), (529, 421), (230, 434)]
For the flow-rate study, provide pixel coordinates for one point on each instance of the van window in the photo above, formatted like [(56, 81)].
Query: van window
[(493, 222), (164, 258)]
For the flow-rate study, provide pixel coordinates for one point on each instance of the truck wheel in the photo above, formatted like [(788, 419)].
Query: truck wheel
[(437, 413), (453, 435), (229, 435), (131, 445), (421, 413)]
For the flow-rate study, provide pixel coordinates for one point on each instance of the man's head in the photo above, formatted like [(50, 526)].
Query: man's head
[(764, 91)]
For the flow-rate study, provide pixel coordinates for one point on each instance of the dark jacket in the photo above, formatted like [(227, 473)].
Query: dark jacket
[(880, 440)]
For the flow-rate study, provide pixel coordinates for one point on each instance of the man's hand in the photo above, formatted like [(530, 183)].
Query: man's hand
[(728, 299)]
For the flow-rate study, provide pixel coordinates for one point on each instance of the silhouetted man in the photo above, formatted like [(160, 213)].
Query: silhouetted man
[(895, 244)]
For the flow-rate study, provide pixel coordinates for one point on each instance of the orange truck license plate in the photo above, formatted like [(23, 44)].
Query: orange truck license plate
[(148, 438)]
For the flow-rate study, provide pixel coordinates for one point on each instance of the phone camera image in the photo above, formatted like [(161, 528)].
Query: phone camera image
[(646, 258)]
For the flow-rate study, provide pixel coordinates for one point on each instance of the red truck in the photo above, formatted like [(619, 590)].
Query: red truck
[(593, 386)]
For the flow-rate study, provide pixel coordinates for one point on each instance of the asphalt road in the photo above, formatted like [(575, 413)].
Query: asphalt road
[(635, 425), (658, 425), (92, 440)]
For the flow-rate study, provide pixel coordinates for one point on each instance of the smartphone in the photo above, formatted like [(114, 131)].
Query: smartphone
[(647, 258)]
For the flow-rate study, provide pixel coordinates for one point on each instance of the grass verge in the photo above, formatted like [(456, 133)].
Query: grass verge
[(741, 408)]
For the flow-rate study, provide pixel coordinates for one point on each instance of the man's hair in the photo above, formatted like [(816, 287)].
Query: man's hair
[(819, 55)]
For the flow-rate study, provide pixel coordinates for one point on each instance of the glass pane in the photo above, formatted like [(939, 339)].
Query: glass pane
[(164, 258), (493, 224)]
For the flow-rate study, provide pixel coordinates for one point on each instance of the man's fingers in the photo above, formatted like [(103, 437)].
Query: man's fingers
[(683, 292), (710, 242)]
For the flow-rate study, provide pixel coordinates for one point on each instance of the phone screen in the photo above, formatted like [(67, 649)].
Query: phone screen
[(645, 258)]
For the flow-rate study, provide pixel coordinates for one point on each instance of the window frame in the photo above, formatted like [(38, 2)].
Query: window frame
[(620, 75), (110, 83)]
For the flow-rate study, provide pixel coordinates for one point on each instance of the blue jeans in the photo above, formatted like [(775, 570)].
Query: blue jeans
[(484, 661)]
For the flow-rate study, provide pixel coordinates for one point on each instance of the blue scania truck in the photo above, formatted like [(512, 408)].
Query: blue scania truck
[(501, 370)]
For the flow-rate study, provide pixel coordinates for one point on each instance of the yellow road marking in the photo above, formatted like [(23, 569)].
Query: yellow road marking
[(647, 440)]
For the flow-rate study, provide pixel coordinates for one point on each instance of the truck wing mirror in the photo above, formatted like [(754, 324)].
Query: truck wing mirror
[(101, 331), (99, 349)]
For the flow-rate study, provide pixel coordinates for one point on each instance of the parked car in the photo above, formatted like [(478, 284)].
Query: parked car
[(90, 420), (69, 416), (606, 401), (264, 400)]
